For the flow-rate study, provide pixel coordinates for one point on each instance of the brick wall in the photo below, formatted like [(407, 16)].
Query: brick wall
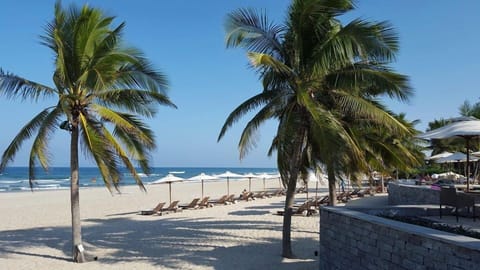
[(355, 240)]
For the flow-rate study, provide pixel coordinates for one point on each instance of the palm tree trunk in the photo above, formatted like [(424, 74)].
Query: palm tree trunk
[(78, 251), (290, 196), (287, 217), (331, 186)]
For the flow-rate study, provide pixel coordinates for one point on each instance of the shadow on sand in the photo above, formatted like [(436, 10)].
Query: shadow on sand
[(169, 242)]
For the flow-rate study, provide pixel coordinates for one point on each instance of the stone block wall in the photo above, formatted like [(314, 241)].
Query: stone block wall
[(355, 240), (408, 194)]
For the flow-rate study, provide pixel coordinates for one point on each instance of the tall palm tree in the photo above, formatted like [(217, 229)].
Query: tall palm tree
[(102, 88), (318, 76)]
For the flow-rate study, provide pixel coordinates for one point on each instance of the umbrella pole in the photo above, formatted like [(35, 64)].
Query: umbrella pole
[(467, 141), (263, 184), (202, 188), (316, 190), (249, 184), (170, 190), (228, 186)]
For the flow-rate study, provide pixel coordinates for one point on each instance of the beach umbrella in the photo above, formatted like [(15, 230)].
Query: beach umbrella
[(169, 179), (250, 176), (202, 177), (466, 128), (228, 175), (441, 155), (455, 157), (265, 176)]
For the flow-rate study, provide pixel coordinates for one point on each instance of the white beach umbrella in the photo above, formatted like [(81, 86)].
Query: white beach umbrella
[(169, 179), (228, 175), (455, 157), (265, 176), (441, 155), (202, 177), (250, 176), (466, 129)]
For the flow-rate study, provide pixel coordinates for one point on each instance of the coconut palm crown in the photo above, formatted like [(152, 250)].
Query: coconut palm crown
[(319, 76)]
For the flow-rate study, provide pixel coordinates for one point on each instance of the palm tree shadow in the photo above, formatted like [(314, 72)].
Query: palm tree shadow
[(167, 242)]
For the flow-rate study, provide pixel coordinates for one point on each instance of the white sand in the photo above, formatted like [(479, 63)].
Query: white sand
[(35, 230)]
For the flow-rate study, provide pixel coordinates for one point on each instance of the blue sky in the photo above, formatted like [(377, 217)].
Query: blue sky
[(185, 40)]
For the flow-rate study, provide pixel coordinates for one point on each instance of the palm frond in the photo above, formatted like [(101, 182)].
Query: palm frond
[(123, 156), (251, 30), (39, 150), (133, 100), (265, 61), (97, 146), (247, 106), (131, 124), (13, 86), (24, 134), (248, 137)]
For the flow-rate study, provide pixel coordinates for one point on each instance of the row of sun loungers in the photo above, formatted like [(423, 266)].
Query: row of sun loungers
[(198, 203)]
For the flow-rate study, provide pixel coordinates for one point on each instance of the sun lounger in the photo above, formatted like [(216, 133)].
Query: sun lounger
[(231, 199), (261, 195), (155, 210), (306, 209), (364, 192), (222, 200), (204, 203), (300, 190), (355, 192), (246, 196), (192, 205), (173, 207), (278, 192)]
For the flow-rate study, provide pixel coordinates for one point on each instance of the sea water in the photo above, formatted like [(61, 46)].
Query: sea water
[(16, 178)]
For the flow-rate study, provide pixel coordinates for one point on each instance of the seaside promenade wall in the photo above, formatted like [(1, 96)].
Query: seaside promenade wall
[(355, 240)]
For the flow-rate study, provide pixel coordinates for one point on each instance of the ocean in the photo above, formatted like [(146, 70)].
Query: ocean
[(16, 178)]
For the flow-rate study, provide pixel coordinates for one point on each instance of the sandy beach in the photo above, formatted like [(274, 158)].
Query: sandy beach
[(35, 230)]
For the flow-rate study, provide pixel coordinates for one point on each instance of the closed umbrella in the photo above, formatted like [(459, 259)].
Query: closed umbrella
[(169, 179), (229, 175), (202, 177), (466, 128)]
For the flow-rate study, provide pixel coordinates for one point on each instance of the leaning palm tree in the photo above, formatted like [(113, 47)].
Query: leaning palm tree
[(102, 88), (318, 76)]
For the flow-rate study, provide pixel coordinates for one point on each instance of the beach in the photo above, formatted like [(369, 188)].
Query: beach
[(35, 231)]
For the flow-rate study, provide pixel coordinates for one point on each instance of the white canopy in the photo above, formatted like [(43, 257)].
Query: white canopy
[(466, 128), (455, 157), (441, 155), (202, 177), (228, 175), (469, 128), (168, 179)]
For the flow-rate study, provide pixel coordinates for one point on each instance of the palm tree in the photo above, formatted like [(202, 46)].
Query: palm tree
[(387, 152), (318, 77), (101, 89)]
